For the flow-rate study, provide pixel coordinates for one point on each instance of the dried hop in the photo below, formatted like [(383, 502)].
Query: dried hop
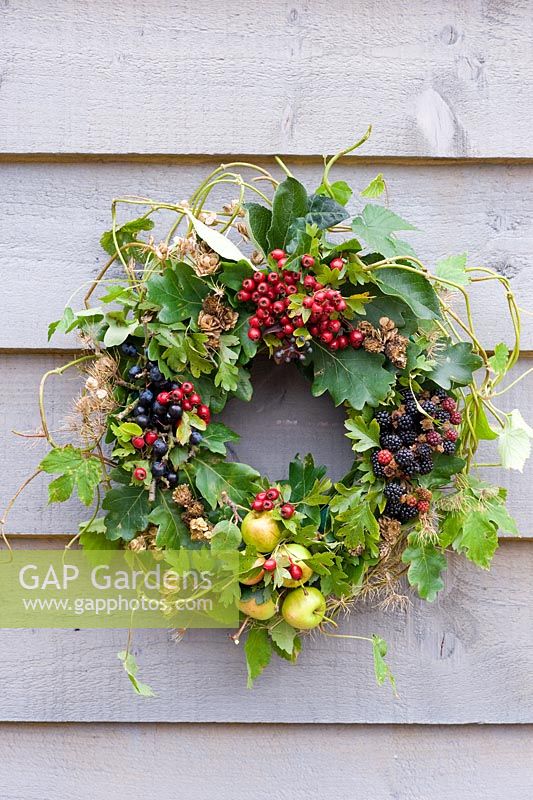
[(182, 495), (200, 529)]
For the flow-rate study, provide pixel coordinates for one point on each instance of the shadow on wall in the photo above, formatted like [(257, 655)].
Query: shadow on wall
[(283, 419)]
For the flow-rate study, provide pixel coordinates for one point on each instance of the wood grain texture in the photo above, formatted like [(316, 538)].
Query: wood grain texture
[(281, 420), (334, 762), (466, 658), (56, 213), (284, 77)]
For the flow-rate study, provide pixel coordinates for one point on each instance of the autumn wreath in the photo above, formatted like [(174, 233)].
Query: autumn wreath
[(340, 296)]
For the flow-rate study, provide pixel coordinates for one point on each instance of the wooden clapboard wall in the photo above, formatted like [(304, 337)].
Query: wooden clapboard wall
[(145, 97)]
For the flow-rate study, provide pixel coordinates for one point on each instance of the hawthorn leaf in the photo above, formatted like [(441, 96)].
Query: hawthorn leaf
[(290, 201), (258, 651), (351, 375), (412, 287), (232, 275), (216, 436), (426, 563), (365, 435), (172, 532), (283, 635), (303, 474), (455, 363), (376, 225)]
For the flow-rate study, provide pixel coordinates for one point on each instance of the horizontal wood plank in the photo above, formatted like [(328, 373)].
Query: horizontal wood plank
[(55, 214), (282, 420), (277, 77), (335, 762), (466, 658)]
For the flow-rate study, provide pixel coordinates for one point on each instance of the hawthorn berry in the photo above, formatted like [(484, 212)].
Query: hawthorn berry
[(295, 572), (150, 437), (204, 413), (186, 404), (243, 296), (163, 398), (268, 505), (257, 505), (270, 565), (277, 254), (187, 387), (309, 281), (307, 261), (261, 496), (287, 510), (356, 338), (272, 493), (254, 334), (336, 263), (138, 442), (139, 473)]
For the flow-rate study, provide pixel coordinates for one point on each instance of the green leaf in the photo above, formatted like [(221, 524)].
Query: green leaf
[(128, 512), (216, 435), (453, 268), (351, 375), (411, 287), (426, 564), (365, 435), (382, 670), (290, 201), (455, 363), (249, 348), (214, 477), (172, 532), (93, 536), (478, 539), (283, 635), (340, 190), (376, 226), (258, 652), (178, 292), (514, 441), (216, 241), (303, 475), (324, 212), (118, 329), (500, 359), (125, 234), (375, 188), (226, 536), (232, 274), (131, 668), (76, 470), (227, 376), (358, 526), (258, 221)]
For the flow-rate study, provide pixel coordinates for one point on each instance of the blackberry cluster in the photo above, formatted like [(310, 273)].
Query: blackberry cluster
[(410, 434)]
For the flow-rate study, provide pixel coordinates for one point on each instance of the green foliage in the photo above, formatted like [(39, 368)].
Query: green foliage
[(453, 268), (214, 476), (125, 234), (375, 188), (259, 221), (339, 189), (365, 435), (284, 636), (178, 293), (351, 375), (290, 202), (324, 212), (377, 227), (382, 670), (131, 668), (226, 536), (258, 652), (500, 359), (411, 287), (426, 563), (128, 512), (172, 532), (455, 364), (514, 441), (216, 437), (76, 469)]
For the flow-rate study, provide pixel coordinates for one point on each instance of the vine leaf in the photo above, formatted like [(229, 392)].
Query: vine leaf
[(128, 511), (178, 292), (75, 470), (131, 668), (453, 268), (426, 564), (283, 635), (375, 188), (455, 363), (498, 361), (290, 201), (258, 652), (214, 477), (216, 241), (411, 287), (351, 375), (340, 190), (376, 225), (125, 234), (514, 441), (382, 670), (258, 222)]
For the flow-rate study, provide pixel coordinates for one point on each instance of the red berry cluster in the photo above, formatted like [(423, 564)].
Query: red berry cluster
[(325, 321), (270, 291), (267, 500)]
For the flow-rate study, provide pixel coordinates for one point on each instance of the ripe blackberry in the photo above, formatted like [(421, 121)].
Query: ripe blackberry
[(449, 448), (408, 437), (390, 441), (393, 490), (383, 419), (376, 466), (405, 458), (440, 392), (424, 450), (425, 465), (441, 415), (407, 512), (429, 407), (406, 422), (393, 509)]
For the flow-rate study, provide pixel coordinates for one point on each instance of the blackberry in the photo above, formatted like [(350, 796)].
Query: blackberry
[(429, 407), (449, 448), (409, 399), (440, 392), (393, 509), (406, 422), (407, 512), (424, 450), (425, 465), (405, 458), (441, 415), (408, 437), (393, 490), (134, 372), (376, 466), (383, 419), (196, 437), (390, 441)]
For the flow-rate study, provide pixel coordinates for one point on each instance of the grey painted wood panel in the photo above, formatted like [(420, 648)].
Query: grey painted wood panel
[(296, 77), (466, 658), (281, 420), (333, 762), (56, 212)]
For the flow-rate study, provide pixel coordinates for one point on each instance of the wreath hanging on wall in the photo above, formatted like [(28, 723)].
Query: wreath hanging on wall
[(346, 301)]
